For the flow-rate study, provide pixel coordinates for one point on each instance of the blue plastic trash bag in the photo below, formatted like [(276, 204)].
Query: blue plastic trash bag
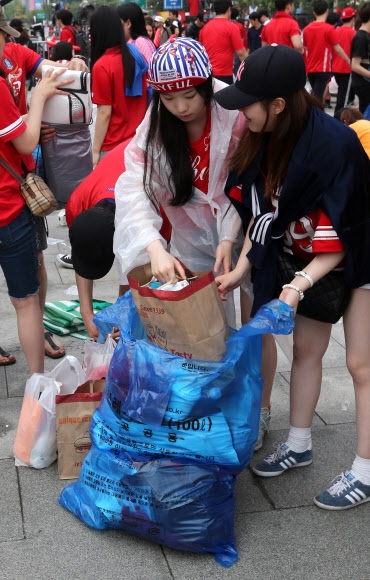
[(37, 155), (181, 504), (171, 435)]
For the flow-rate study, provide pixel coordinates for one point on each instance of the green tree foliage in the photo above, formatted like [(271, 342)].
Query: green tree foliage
[(15, 9)]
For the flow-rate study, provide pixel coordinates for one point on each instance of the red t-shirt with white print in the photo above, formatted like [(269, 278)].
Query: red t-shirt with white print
[(199, 155), (310, 235)]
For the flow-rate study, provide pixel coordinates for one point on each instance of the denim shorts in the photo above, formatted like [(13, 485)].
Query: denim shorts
[(18, 256)]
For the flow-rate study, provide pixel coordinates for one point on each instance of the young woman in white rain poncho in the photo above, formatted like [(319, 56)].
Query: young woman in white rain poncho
[(178, 159)]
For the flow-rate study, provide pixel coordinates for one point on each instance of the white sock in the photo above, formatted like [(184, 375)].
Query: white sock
[(361, 469), (299, 439)]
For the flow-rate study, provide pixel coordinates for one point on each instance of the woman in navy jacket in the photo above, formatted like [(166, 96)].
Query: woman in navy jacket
[(301, 184)]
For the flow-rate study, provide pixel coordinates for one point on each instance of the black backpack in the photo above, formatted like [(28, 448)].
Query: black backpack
[(82, 41)]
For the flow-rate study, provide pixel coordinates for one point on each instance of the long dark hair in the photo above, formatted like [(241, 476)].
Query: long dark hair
[(133, 12), (106, 32), (168, 130), (281, 142), (149, 21)]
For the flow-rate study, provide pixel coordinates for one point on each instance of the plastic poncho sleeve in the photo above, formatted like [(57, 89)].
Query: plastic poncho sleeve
[(229, 224), (137, 221)]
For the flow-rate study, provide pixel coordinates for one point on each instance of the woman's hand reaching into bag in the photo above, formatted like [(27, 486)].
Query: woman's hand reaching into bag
[(165, 267), (228, 282)]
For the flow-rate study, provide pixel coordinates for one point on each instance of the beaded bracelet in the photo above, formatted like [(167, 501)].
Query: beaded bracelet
[(305, 275), (301, 294)]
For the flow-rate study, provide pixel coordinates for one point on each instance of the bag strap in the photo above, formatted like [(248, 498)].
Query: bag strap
[(12, 171)]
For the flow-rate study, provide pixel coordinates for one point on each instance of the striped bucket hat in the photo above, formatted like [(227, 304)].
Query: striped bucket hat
[(179, 64)]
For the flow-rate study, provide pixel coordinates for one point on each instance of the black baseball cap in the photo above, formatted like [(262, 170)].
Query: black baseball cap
[(269, 72), (91, 236)]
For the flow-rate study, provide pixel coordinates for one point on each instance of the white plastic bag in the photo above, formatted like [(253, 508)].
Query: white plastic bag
[(36, 441), (97, 358)]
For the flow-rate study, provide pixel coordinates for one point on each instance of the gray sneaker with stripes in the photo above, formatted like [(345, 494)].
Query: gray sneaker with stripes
[(282, 459), (344, 492)]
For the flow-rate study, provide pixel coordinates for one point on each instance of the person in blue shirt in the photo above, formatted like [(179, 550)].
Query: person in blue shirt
[(254, 32)]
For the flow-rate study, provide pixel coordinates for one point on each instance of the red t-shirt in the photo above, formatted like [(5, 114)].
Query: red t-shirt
[(108, 88), (318, 40), (280, 29), (199, 154), (67, 34), (17, 62), (345, 35), (11, 126), (221, 39), (194, 7), (310, 235), (100, 184), (243, 32)]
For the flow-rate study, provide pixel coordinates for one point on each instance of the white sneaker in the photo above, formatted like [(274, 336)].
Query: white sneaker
[(62, 218), (265, 418)]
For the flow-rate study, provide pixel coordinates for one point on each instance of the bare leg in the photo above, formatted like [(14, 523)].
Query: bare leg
[(344, 493), (31, 331), (311, 339), (357, 334), (123, 289), (85, 294)]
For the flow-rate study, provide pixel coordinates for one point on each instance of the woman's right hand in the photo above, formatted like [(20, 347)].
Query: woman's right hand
[(164, 266), (47, 133), (228, 282), (49, 84)]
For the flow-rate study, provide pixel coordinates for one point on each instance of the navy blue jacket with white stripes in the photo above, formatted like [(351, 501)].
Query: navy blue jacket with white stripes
[(328, 169)]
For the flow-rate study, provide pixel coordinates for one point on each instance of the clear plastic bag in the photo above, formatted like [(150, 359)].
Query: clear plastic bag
[(36, 439), (97, 358)]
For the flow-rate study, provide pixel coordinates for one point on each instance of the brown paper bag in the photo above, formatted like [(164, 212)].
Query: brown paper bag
[(73, 416), (190, 322)]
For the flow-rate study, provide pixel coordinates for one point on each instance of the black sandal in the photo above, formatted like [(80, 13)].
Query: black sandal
[(48, 337), (5, 354)]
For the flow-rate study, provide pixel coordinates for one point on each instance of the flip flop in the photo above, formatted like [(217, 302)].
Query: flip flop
[(7, 355), (48, 336)]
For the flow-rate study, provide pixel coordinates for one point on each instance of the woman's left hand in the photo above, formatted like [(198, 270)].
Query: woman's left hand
[(290, 297), (223, 261)]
